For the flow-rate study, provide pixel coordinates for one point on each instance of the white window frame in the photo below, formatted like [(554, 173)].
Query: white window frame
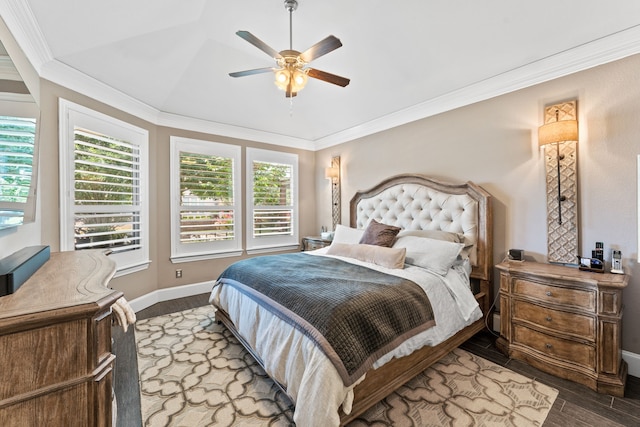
[(271, 243), (72, 115), (207, 250)]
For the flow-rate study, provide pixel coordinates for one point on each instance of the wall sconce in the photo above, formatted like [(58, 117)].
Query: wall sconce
[(555, 133), (333, 173), (559, 136)]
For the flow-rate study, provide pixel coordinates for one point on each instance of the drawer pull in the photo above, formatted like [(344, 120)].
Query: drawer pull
[(548, 318), (549, 346), (548, 293)]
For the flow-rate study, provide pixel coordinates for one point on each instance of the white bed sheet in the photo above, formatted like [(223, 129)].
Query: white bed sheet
[(309, 377)]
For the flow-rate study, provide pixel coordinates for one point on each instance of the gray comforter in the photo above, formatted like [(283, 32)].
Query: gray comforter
[(353, 313)]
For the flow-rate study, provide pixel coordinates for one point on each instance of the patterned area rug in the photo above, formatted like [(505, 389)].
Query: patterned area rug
[(193, 372)]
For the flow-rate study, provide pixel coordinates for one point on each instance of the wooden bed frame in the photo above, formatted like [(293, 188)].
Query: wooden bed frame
[(380, 382)]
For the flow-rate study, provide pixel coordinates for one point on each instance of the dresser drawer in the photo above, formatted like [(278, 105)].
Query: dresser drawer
[(566, 350), (555, 320), (567, 297)]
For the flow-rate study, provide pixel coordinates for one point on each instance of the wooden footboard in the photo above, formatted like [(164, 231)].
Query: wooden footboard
[(381, 382)]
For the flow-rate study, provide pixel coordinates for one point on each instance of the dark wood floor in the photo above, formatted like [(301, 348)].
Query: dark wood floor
[(576, 405)]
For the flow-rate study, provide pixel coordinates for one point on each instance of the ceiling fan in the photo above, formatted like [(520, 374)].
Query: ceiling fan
[(293, 69)]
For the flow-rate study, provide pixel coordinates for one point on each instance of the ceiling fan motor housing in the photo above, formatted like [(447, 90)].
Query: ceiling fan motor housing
[(290, 5)]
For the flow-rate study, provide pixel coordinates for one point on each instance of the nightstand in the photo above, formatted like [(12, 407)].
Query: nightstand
[(565, 322), (310, 243)]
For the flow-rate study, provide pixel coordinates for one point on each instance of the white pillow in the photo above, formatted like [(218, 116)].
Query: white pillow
[(348, 235), (434, 255)]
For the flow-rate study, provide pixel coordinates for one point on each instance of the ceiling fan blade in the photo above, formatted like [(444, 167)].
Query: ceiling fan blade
[(251, 72), (323, 47), (259, 44), (327, 77)]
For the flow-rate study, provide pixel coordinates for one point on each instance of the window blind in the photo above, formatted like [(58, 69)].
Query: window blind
[(207, 212), (272, 199), (106, 192)]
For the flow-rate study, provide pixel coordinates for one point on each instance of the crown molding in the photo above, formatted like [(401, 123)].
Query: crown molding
[(21, 21), (607, 49), (17, 97), (215, 128)]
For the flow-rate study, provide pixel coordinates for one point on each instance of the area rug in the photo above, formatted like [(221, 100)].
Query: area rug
[(193, 372)]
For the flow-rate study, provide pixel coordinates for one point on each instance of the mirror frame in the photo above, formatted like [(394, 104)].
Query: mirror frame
[(23, 105)]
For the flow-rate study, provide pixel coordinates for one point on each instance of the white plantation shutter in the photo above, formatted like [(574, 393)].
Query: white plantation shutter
[(104, 186), (106, 193), (273, 199), (17, 150), (205, 194)]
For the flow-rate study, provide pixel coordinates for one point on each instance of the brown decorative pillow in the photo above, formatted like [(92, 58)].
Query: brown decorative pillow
[(379, 234)]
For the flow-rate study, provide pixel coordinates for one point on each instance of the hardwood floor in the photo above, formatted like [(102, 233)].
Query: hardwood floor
[(576, 405)]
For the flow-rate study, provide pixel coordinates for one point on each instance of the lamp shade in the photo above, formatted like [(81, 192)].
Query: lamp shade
[(331, 173), (562, 130)]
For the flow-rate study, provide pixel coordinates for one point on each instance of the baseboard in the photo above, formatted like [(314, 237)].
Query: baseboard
[(632, 359), (167, 294)]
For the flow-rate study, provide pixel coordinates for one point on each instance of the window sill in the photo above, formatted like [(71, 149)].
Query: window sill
[(177, 259), (267, 249), (132, 268)]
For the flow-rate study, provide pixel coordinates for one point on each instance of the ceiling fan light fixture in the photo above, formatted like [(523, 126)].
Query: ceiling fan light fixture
[(291, 80), (293, 72), (299, 79), (282, 79)]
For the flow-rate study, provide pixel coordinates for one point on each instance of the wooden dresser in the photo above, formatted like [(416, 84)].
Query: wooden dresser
[(565, 322), (55, 344)]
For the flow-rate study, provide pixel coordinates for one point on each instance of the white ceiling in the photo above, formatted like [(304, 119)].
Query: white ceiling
[(168, 60)]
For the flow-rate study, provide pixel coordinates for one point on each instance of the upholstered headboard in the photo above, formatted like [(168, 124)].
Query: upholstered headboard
[(417, 202)]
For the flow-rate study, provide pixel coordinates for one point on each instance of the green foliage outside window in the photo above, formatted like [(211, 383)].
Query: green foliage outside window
[(106, 174)]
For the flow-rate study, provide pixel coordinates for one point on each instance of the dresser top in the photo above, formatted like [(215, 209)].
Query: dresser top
[(68, 284), (561, 272)]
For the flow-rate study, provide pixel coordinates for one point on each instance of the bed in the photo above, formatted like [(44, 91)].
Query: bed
[(316, 385)]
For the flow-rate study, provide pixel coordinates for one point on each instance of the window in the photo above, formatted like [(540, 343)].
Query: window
[(104, 186), (17, 177), (272, 199), (205, 200)]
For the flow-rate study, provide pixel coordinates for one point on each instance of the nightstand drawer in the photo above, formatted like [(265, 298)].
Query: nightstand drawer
[(569, 323), (576, 298), (566, 350)]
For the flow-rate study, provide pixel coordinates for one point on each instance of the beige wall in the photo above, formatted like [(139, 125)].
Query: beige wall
[(494, 143), (161, 272), (201, 271)]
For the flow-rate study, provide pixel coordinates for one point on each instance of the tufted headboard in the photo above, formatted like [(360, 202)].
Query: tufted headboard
[(417, 202)]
